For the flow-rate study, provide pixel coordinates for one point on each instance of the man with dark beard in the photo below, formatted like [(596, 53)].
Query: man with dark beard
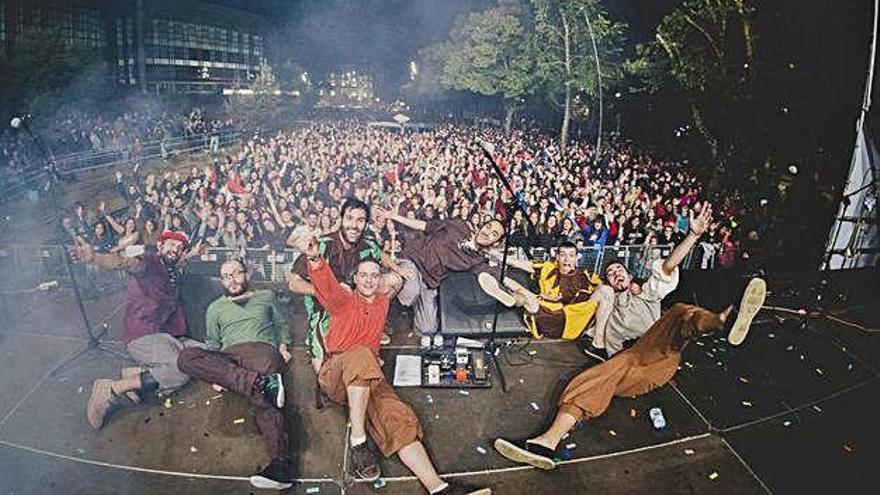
[(155, 326), (247, 351), (343, 250)]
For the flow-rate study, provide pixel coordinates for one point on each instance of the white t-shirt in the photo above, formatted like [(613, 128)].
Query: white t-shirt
[(634, 314)]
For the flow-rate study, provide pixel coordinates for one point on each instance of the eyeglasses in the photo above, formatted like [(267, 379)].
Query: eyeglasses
[(226, 277)]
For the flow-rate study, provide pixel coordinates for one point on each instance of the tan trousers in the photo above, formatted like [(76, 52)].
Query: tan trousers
[(648, 364), (391, 423)]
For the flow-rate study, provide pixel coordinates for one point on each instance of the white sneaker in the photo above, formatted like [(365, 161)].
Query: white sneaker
[(490, 286), (752, 300)]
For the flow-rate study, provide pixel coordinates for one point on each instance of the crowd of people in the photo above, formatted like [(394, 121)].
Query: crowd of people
[(78, 131), (277, 187)]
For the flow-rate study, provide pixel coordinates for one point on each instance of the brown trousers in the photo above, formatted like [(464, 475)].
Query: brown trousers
[(236, 368), (391, 423), (648, 364)]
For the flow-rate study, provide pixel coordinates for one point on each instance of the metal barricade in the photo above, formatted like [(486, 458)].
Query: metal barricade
[(263, 265), (30, 178)]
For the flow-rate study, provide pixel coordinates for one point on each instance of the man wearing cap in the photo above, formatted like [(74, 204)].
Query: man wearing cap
[(154, 325)]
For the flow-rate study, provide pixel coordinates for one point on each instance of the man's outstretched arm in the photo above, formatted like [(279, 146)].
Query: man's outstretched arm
[(698, 225)]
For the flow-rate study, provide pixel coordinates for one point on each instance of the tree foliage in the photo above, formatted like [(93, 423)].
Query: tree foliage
[(487, 53), (540, 49), (566, 60), (705, 49)]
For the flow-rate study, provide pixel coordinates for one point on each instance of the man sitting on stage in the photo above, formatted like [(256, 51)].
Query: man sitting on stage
[(155, 326), (650, 362), (447, 246), (566, 302), (343, 250), (247, 352), (351, 374)]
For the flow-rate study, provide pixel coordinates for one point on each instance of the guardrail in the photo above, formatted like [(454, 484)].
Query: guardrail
[(23, 266), (84, 161)]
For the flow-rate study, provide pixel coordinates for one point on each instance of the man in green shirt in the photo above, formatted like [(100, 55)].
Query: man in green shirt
[(247, 351)]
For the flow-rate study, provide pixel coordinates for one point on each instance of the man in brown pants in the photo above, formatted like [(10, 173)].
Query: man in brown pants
[(648, 364), (247, 351), (351, 374)]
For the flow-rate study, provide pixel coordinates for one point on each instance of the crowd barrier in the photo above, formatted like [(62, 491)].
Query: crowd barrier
[(32, 177), (25, 266), (273, 266)]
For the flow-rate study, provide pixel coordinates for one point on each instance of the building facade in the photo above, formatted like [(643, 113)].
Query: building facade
[(155, 45)]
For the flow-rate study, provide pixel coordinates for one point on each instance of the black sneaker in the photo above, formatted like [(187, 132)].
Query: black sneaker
[(526, 453), (599, 353), (363, 463), (273, 389), (276, 476), (740, 319), (459, 488)]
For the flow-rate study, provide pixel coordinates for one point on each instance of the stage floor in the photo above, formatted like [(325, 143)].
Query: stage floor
[(791, 410)]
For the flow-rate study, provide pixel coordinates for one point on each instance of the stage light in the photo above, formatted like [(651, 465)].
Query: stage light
[(16, 122), (793, 169)]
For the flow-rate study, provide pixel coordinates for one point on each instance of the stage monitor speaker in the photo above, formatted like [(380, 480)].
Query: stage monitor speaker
[(468, 311)]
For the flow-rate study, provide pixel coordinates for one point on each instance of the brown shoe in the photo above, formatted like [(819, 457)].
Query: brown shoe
[(99, 402), (363, 463)]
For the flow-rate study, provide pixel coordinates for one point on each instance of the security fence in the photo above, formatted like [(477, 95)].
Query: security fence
[(273, 266), (32, 178), (24, 267)]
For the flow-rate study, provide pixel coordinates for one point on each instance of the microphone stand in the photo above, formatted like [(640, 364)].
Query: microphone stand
[(94, 340), (492, 346)]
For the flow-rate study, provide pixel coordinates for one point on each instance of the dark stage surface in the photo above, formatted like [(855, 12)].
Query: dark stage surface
[(793, 410)]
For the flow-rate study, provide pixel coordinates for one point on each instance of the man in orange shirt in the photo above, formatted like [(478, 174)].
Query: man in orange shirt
[(351, 374)]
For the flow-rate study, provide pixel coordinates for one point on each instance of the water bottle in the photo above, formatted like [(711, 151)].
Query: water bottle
[(656, 415)]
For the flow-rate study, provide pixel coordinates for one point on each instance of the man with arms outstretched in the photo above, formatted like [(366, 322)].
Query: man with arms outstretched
[(651, 361), (351, 374)]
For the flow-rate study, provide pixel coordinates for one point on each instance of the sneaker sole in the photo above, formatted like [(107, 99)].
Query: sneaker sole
[(752, 301), (262, 482), (370, 479), (279, 398), (517, 454), (594, 355), (490, 286)]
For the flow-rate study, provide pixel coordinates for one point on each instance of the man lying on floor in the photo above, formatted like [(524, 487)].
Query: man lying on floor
[(567, 297), (649, 363), (351, 374), (247, 352)]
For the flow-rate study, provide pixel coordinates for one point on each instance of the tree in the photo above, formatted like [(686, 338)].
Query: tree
[(487, 53), (564, 54), (706, 50)]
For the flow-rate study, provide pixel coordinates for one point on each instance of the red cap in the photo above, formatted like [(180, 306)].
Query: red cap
[(172, 234)]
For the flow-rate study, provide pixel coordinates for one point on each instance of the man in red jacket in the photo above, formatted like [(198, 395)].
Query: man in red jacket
[(351, 374)]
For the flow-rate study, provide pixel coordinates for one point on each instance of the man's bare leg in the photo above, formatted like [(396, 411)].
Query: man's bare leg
[(363, 460), (415, 457), (562, 424), (358, 397)]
